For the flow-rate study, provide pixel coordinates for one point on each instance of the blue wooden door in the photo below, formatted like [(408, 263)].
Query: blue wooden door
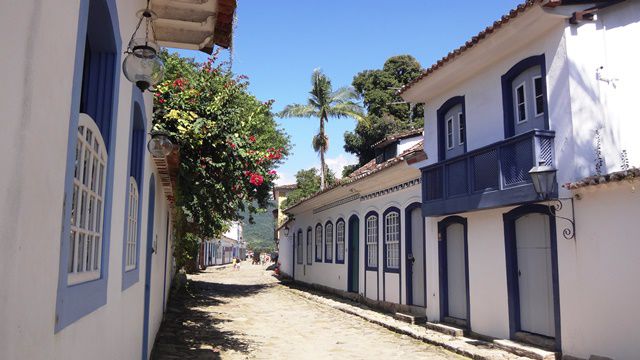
[(147, 275)]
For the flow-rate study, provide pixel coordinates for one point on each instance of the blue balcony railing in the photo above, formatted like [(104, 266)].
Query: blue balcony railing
[(492, 176)]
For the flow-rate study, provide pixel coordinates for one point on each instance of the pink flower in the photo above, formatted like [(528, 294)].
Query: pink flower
[(272, 172)]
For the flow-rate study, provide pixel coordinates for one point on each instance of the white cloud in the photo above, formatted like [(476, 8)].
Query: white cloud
[(336, 164)]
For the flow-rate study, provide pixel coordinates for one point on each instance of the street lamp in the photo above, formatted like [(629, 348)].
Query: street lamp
[(543, 178), (159, 145), (142, 65)]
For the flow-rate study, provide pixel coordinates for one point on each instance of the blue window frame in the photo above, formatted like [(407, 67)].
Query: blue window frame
[(309, 247), (328, 242), (94, 93), (392, 236), (340, 236), (318, 243), (371, 241), (299, 257), (450, 125), (131, 252)]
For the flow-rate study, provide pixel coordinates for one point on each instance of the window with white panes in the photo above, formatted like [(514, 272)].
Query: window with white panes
[(539, 95), (392, 240), (372, 241), (309, 247), (85, 248), (328, 242), (521, 103), (318, 243), (340, 241), (450, 133), (298, 247), (132, 226)]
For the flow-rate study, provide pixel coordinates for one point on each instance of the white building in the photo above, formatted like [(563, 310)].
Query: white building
[(364, 234), (222, 250), (551, 83), (85, 221), (554, 84)]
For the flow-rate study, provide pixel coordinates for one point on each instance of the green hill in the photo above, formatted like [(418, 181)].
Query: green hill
[(260, 234)]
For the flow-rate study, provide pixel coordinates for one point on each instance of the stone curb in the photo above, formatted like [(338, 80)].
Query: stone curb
[(471, 348)]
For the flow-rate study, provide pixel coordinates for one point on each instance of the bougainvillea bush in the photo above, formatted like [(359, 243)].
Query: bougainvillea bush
[(229, 145)]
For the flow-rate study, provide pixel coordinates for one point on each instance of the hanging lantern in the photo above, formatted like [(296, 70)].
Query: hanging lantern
[(142, 65), (159, 145)]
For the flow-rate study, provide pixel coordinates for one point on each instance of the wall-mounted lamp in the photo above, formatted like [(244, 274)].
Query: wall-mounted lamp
[(159, 145), (286, 231), (543, 177), (142, 65)]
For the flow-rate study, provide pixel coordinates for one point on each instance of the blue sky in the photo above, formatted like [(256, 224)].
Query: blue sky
[(279, 43)]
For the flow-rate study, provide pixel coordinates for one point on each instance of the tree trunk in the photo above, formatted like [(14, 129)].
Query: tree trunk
[(323, 148)]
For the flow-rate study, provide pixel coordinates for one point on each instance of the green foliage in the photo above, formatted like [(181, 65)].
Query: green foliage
[(386, 114), (229, 145), (324, 103), (308, 183)]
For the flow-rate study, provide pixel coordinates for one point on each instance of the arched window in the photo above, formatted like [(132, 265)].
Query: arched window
[(132, 226), (299, 256), (392, 240), (524, 96), (309, 247), (318, 243), (372, 241), (328, 242), (87, 203), (340, 241)]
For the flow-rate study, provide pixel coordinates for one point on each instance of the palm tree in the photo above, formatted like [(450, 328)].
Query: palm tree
[(324, 103)]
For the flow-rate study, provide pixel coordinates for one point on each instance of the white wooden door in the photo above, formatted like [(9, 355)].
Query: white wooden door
[(456, 277), (417, 250), (533, 244)]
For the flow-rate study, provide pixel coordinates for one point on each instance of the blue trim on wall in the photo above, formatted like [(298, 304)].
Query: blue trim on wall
[(166, 256), (511, 255), (310, 245), (353, 253), (135, 164), (442, 264), (409, 250), (507, 93), (74, 302), (148, 262), (440, 113), (384, 243), (315, 243), (344, 239), (333, 240), (366, 246)]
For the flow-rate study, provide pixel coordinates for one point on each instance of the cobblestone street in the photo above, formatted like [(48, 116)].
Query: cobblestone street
[(246, 314)]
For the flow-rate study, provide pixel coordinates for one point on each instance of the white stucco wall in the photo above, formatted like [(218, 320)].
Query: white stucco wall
[(599, 273), (41, 38)]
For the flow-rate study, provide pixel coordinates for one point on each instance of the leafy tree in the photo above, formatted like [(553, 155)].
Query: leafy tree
[(308, 183), (228, 142), (324, 103), (386, 113)]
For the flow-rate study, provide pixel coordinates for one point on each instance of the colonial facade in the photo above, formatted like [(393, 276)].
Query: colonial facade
[(364, 234), (550, 88), (86, 220), (222, 250), (551, 84)]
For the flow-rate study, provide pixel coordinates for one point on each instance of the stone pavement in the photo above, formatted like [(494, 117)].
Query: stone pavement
[(247, 314)]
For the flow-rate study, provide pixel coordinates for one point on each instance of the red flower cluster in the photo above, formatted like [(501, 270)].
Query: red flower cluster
[(256, 179), (275, 154), (252, 138), (179, 83), (272, 172)]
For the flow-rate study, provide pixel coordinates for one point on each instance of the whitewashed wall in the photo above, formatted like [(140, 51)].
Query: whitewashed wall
[(40, 41)]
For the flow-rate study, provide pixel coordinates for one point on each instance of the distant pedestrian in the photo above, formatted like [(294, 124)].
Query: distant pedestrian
[(234, 262)]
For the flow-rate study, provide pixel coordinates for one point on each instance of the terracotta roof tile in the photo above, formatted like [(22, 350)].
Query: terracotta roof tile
[(631, 174)]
